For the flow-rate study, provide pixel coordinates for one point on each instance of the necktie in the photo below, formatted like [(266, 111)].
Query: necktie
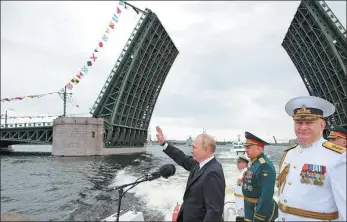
[(196, 169)]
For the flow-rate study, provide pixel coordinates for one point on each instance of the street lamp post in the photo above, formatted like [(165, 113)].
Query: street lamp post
[(6, 116)]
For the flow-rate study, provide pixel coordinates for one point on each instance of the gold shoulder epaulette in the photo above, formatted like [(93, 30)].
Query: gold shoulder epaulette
[(334, 147), (291, 147), (261, 160)]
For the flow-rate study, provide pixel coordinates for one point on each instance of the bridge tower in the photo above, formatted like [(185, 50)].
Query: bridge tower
[(127, 99), (316, 43)]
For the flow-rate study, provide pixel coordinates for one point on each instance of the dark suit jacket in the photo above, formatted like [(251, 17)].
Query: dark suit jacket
[(203, 199)]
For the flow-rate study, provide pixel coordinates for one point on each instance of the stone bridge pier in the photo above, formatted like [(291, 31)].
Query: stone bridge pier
[(83, 136)]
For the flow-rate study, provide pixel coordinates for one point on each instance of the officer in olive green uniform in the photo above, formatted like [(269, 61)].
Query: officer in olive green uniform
[(259, 183), (338, 135)]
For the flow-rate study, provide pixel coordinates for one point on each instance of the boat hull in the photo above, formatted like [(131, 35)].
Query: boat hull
[(229, 212)]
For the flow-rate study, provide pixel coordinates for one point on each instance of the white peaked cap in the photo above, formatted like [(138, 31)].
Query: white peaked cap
[(243, 158), (310, 102)]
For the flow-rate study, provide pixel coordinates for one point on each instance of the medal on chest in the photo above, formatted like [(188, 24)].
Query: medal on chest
[(248, 176), (250, 188), (313, 174), (245, 186)]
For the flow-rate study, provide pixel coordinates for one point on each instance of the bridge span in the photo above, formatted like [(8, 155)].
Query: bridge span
[(26, 133), (127, 100), (316, 42)]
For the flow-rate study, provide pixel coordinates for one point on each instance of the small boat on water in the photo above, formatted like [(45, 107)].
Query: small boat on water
[(238, 147)]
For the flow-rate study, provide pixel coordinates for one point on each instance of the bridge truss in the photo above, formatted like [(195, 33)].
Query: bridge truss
[(26, 133), (316, 43), (128, 98)]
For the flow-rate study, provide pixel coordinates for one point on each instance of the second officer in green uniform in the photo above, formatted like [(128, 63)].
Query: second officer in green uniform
[(259, 183)]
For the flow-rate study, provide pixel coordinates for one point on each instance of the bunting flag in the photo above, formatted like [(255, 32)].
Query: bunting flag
[(24, 97), (37, 117), (93, 57), (27, 117)]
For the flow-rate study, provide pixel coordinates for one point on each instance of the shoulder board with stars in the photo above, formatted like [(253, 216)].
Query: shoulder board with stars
[(291, 147), (334, 147)]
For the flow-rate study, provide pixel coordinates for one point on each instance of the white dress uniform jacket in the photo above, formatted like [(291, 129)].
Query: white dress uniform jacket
[(239, 202), (301, 192)]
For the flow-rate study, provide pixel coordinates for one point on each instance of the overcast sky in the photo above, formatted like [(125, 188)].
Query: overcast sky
[(231, 75)]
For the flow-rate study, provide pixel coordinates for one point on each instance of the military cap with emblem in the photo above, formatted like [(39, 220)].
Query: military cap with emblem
[(309, 108), (254, 140), (337, 132), (243, 158)]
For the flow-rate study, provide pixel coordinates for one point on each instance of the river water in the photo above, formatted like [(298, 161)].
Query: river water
[(44, 187)]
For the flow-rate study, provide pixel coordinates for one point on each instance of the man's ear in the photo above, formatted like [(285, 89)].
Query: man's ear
[(323, 124)]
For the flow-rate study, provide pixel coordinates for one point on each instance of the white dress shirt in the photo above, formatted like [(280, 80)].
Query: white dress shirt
[(205, 161), (239, 202)]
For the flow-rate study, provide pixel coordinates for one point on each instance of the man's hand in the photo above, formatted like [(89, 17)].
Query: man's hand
[(160, 135)]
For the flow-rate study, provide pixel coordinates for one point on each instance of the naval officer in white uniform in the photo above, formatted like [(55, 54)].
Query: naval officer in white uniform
[(312, 179), (242, 163)]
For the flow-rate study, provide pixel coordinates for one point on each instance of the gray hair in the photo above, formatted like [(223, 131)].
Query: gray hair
[(208, 141)]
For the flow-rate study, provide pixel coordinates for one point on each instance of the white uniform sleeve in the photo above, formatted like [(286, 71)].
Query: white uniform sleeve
[(338, 185)]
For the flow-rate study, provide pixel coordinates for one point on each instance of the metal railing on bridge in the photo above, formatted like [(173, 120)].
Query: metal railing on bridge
[(27, 125)]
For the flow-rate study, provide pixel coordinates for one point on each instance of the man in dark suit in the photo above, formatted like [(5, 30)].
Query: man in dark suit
[(203, 198)]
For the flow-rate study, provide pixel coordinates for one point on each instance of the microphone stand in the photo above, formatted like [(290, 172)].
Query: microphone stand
[(121, 191)]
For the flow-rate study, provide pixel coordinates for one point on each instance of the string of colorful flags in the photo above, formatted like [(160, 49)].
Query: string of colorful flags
[(24, 97), (3, 116), (87, 66), (25, 117), (92, 59)]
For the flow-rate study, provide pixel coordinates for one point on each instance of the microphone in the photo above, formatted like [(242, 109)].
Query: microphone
[(165, 171)]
